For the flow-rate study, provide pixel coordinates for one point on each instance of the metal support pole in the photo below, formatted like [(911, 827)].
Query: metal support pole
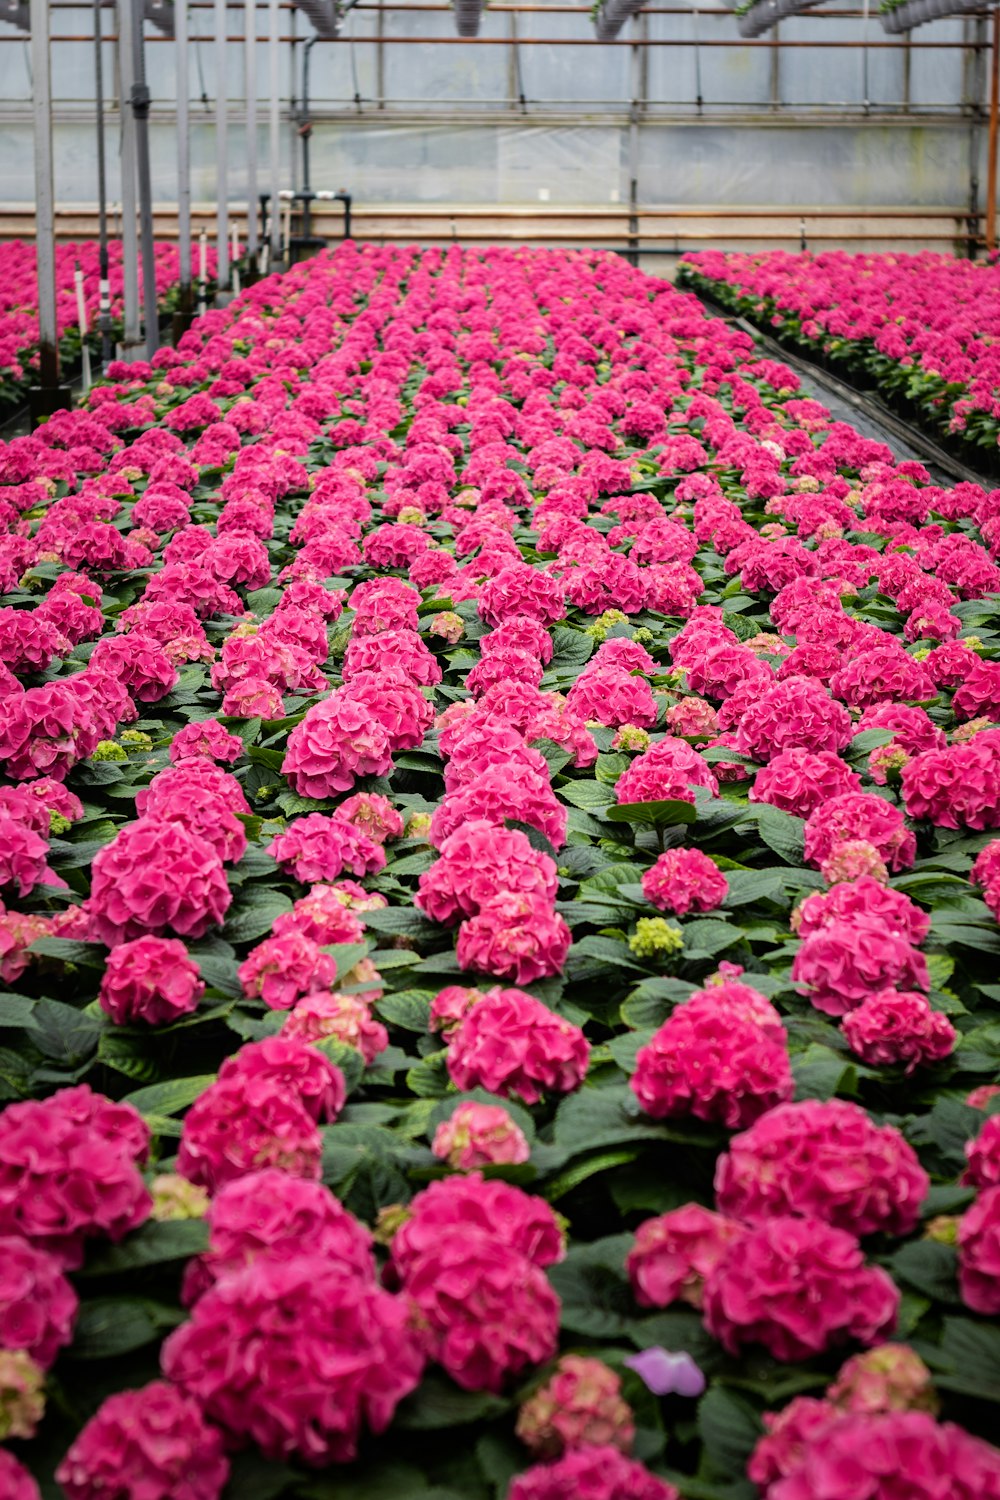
[(221, 163), (50, 395), (991, 170), (632, 254), (140, 109), (132, 336), (81, 318), (104, 286), (250, 89), (274, 131), (183, 166)]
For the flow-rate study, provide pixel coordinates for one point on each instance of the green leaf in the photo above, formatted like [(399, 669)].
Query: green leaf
[(401, 921), (782, 832), (152, 1245), (820, 1073), (973, 1350), (863, 744), (109, 1327), (253, 1477), (347, 1059), (729, 1429), (409, 1009), (169, 1098), (662, 814), (438, 1403), (593, 1288), (707, 936), (65, 1034), (929, 1267), (949, 1126), (254, 913), (70, 951), (591, 796), (15, 1011)]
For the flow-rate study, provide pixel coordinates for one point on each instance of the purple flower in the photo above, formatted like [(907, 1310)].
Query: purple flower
[(667, 1374)]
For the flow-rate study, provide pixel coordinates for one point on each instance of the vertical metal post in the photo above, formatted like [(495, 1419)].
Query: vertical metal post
[(45, 247), (221, 163), (104, 287), (132, 335), (991, 170), (776, 70), (81, 318), (635, 87), (140, 109), (250, 89), (380, 56), (274, 130), (183, 154)]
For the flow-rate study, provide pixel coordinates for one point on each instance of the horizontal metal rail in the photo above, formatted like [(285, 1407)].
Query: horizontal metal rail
[(780, 44)]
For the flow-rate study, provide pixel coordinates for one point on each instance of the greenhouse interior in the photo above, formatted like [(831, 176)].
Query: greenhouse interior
[(499, 750)]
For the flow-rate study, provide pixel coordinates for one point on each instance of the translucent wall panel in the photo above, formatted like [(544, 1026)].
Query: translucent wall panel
[(857, 165), (419, 71)]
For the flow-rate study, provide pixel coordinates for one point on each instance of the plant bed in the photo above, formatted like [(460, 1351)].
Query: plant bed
[(919, 329), (501, 871)]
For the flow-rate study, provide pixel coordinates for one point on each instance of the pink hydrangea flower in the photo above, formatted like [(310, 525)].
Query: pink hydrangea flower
[(797, 1286), (895, 1027), (37, 1304), (348, 1018), (69, 1169), (849, 859), (979, 1253), (860, 815), (208, 738), (325, 915), (23, 856), (668, 771), (374, 815), (298, 1355), (499, 793), (280, 970), (153, 1443), (150, 979), (798, 781), (786, 1436), (478, 861), (983, 1156), (479, 1135), (270, 1212), (319, 848), (261, 1112), (510, 1043), (862, 898), (795, 714), (455, 1207), (579, 1406), (591, 1473), (15, 1481), (514, 936), (713, 1059), (337, 742), (156, 877), (684, 880), (823, 1159), (488, 1312), (867, 1455), (845, 962), (675, 1252), (891, 1377)]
